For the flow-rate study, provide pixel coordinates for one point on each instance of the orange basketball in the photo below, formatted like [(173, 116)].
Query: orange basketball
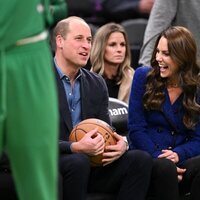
[(89, 124)]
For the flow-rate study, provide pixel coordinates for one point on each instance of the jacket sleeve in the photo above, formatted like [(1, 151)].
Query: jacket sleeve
[(191, 147), (65, 147), (137, 124), (104, 111)]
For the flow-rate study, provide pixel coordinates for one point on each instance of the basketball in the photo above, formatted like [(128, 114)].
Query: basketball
[(89, 124)]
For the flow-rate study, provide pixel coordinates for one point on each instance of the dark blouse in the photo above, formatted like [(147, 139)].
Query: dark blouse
[(113, 88)]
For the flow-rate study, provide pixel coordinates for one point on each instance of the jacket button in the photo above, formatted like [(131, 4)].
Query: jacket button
[(159, 129), (172, 132)]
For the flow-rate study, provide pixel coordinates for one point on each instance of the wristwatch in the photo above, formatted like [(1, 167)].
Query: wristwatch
[(126, 141)]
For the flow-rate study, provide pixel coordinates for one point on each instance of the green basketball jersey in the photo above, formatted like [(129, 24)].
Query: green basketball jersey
[(22, 18)]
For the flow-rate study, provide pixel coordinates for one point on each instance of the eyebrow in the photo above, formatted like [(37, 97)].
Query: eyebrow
[(162, 50), (89, 37)]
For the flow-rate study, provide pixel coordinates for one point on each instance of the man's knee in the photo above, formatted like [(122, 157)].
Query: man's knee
[(140, 157), (75, 163)]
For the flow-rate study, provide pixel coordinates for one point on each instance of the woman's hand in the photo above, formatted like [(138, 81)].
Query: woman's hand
[(169, 154), (180, 173)]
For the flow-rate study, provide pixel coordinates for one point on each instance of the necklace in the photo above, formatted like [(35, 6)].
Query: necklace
[(173, 85)]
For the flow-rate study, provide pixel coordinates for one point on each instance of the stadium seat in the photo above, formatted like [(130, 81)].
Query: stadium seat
[(135, 29), (118, 111)]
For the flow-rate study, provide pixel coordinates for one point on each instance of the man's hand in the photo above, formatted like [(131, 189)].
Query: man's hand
[(92, 143), (113, 152)]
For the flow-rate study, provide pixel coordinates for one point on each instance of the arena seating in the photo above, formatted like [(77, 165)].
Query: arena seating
[(135, 29)]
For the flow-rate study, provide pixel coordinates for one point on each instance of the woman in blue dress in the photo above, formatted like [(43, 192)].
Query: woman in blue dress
[(164, 115)]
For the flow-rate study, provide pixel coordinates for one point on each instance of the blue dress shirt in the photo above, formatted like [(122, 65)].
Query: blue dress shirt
[(72, 94)]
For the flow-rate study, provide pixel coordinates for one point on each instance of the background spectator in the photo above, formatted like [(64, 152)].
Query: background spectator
[(111, 58), (99, 12), (166, 13)]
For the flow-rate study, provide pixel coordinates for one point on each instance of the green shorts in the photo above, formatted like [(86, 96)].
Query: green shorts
[(29, 119)]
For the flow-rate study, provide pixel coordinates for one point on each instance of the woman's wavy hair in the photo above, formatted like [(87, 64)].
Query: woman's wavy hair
[(98, 50), (183, 51)]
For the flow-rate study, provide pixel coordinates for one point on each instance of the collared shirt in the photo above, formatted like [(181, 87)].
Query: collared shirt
[(72, 94)]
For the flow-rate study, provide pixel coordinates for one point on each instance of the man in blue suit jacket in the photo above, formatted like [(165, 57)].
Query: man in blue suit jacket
[(82, 95)]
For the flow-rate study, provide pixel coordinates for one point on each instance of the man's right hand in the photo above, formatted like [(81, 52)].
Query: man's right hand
[(92, 143)]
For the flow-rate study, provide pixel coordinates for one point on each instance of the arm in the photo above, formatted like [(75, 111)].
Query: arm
[(99, 100), (190, 148), (65, 147), (92, 143), (185, 151), (137, 124), (99, 108), (161, 17)]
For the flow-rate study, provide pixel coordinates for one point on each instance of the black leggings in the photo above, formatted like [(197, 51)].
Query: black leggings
[(164, 183), (191, 178)]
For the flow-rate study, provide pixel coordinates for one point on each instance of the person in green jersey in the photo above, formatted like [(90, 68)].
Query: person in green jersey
[(28, 99)]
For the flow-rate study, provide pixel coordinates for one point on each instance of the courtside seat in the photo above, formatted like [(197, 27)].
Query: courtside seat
[(118, 111), (135, 29)]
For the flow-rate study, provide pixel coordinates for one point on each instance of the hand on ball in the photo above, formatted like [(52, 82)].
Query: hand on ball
[(91, 143), (91, 136), (113, 152)]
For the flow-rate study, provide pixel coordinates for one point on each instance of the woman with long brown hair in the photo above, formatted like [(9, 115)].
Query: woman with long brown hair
[(164, 114)]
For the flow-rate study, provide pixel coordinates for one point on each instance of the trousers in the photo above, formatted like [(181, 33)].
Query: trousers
[(29, 119), (128, 177), (164, 183)]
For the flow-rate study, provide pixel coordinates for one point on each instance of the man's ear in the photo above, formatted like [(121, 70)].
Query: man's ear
[(59, 41)]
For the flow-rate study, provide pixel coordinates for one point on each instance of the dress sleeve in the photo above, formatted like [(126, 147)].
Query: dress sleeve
[(137, 124)]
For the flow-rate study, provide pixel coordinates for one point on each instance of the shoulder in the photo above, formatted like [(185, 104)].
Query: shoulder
[(140, 78), (141, 72), (90, 74), (92, 78)]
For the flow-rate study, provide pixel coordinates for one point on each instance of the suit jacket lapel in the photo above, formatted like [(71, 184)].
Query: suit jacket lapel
[(63, 104), (168, 112), (84, 97)]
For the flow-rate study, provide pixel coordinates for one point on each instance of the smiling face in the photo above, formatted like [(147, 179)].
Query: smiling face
[(168, 68), (76, 45), (115, 49)]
